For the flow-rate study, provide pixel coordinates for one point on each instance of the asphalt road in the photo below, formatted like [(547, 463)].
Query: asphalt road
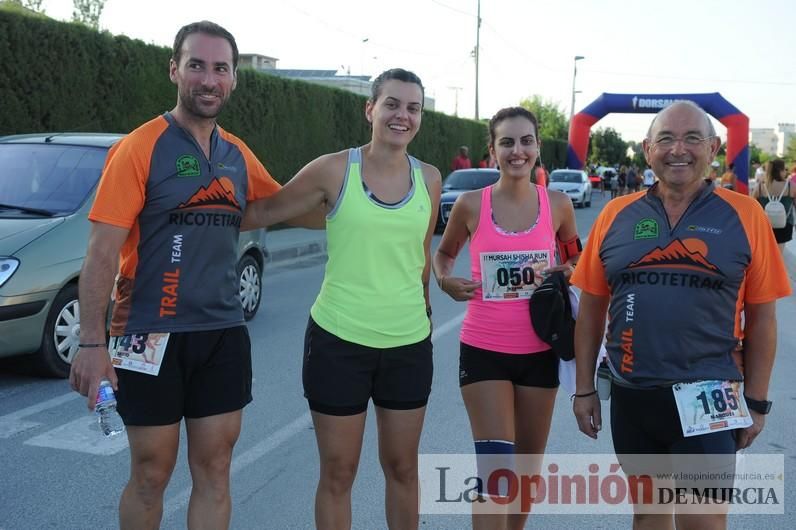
[(57, 472)]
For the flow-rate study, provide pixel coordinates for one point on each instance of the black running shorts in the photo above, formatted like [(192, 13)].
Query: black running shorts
[(646, 422), (340, 377), (538, 369), (204, 373)]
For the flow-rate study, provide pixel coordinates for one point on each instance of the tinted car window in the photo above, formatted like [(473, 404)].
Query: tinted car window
[(56, 178), (565, 176), (470, 180)]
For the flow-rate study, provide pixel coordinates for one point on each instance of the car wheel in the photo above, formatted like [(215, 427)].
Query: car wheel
[(61, 334), (588, 203), (250, 285)]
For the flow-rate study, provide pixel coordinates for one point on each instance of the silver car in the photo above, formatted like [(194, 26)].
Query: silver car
[(574, 183), (47, 185)]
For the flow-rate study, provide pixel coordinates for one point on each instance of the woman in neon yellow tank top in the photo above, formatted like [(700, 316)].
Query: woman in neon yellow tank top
[(507, 374), (369, 333)]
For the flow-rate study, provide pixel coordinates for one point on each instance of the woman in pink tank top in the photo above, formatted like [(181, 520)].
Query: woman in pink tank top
[(507, 374)]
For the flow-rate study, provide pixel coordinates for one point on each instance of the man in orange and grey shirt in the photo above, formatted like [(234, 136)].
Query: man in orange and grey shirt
[(675, 267), (170, 204)]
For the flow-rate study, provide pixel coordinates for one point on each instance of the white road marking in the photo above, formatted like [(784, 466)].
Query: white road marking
[(81, 435), (259, 450), (11, 424), (447, 326), (268, 444)]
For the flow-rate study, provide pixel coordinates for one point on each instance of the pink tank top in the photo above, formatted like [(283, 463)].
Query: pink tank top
[(498, 316)]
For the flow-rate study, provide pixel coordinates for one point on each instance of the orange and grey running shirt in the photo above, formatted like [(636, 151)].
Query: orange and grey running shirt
[(177, 266), (677, 292)]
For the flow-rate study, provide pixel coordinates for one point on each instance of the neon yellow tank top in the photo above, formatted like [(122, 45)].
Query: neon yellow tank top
[(372, 292)]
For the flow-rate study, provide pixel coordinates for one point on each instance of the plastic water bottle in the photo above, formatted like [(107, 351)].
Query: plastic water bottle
[(110, 423)]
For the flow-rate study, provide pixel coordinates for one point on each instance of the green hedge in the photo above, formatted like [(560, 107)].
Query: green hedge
[(57, 76)]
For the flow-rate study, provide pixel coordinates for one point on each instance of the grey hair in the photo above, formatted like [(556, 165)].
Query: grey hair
[(689, 103)]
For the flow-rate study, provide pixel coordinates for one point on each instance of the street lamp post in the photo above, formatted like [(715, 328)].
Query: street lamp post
[(574, 75)]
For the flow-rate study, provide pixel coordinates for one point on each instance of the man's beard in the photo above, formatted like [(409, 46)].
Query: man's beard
[(188, 102)]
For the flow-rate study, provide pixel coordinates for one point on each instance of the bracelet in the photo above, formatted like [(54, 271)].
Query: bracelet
[(428, 311), (441, 283), (587, 394), (92, 345)]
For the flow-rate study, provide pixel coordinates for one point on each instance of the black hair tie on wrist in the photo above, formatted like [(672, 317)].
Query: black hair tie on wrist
[(587, 394)]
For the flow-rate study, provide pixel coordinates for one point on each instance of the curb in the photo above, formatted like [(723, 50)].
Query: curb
[(305, 250)]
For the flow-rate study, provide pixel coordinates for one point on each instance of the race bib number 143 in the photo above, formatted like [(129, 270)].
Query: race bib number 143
[(512, 275), (139, 352)]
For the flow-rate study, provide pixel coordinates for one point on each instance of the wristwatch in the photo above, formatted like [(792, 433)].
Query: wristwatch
[(761, 407)]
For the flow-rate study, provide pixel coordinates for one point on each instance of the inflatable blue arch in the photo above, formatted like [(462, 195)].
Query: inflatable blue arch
[(714, 104)]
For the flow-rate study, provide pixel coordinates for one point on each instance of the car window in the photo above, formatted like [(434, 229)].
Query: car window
[(566, 176), (56, 178), (470, 180)]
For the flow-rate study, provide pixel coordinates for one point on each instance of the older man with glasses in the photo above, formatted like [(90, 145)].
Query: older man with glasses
[(674, 267)]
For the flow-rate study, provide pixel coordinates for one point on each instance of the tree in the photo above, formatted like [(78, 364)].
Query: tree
[(87, 12), (790, 150), (638, 159), (552, 120), (33, 5), (757, 155), (607, 147)]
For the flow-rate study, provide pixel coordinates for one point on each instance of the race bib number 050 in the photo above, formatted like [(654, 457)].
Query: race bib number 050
[(512, 275), (140, 352), (711, 406)]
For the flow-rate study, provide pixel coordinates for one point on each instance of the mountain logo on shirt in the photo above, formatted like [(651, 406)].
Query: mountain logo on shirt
[(188, 166), (219, 194), (688, 254)]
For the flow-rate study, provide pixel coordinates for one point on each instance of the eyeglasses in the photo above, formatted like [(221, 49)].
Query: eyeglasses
[(667, 141)]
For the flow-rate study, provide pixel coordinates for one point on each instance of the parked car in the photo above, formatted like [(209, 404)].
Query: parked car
[(574, 183), (457, 183), (47, 186)]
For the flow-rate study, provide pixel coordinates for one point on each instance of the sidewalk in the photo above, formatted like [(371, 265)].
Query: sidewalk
[(290, 244), (790, 258)]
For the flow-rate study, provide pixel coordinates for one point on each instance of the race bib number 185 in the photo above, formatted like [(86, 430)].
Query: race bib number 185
[(512, 275), (711, 406)]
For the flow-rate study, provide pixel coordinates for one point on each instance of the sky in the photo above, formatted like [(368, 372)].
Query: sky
[(746, 51)]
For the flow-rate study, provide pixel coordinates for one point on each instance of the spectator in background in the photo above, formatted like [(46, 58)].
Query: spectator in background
[(622, 180), (462, 160), (633, 181), (713, 175), (777, 184), (760, 172), (793, 174), (487, 161), (540, 174), (649, 178), (613, 182), (728, 178)]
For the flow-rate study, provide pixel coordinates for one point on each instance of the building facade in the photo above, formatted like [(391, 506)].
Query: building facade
[(774, 142), (358, 84)]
